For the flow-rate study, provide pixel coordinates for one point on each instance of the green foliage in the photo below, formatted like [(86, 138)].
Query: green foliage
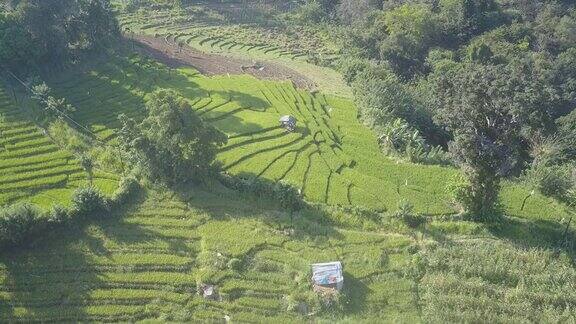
[(475, 104), (388, 107), (235, 264), (460, 190), (558, 181), (281, 192), (462, 19), (127, 188), (351, 67), (567, 134), (59, 215), (412, 29), (399, 138), (480, 52), (288, 196), (53, 32), (90, 201), (16, 45), (381, 97), (412, 20), (171, 132), (310, 12), (406, 214), (17, 223), (68, 138), (52, 107)]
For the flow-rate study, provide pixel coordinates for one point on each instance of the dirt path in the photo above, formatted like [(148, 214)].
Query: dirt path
[(213, 64)]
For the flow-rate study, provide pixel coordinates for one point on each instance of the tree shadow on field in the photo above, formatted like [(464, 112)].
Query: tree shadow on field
[(53, 278), (356, 292), (543, 234), (245, 100), (308, 223)]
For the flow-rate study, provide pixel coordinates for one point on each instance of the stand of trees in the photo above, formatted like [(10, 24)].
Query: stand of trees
[(172, 145), (39, 33), (491, 81)]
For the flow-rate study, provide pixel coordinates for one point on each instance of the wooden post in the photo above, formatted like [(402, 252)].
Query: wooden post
[(565, 236)]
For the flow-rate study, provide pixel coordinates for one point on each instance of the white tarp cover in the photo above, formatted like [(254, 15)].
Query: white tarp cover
[(287, 119), (325, 274)]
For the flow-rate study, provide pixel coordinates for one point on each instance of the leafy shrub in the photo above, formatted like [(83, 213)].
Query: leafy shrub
[(352, 67), (462, 193), (310, 12), (108, 158), (332, 300), (401, 139), (68, 138), (19, 222), (285, 194), (59, 215), (288, 197), (171, 132), (406, 214), (459, 188), (89, 201), (235, 264), (554, 181), (127, 187)]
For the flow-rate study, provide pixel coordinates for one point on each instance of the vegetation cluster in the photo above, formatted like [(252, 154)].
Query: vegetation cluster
[(489, 82), (128, 185)]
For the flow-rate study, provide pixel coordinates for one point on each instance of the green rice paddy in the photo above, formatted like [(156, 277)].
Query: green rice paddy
[(148, 263), (33, 168), (149, 260)]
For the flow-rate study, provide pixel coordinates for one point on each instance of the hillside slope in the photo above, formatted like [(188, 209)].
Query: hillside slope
[(149, 258), (331, 156), (32, 167), (147, 262)]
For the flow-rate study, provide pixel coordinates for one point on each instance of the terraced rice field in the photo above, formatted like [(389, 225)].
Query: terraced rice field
[(33, 168), (318, 158), (194, 28), (331, 157), (149, 262)]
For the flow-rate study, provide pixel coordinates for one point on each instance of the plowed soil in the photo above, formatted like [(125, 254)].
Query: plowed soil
[(172, 55)]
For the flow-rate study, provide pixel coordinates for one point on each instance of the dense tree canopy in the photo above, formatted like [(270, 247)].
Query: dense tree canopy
[(172, 144), (491, 79), (34, 33)]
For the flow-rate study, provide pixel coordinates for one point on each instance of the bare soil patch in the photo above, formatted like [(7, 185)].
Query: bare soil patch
[(172, 55)]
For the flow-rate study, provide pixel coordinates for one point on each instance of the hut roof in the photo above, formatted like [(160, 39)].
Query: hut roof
[(327, 273), (287, 119)]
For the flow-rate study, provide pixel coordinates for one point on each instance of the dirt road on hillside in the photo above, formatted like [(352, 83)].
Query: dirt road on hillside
[(170, 54)]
